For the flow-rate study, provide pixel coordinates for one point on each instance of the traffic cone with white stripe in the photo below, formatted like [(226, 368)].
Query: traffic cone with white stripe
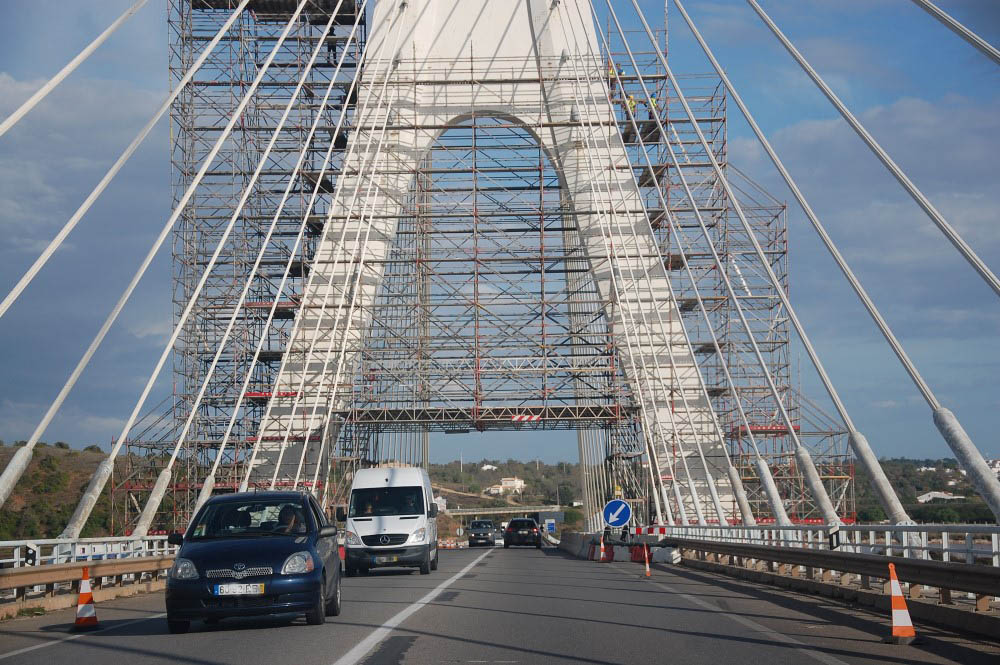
[(601, 559), (645, 553), (86, 613), (902, 626)]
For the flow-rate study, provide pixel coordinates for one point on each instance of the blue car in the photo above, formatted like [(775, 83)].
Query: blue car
[(253, 554)]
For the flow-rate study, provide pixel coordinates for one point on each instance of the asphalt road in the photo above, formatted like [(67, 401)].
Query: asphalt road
[(505, 606)]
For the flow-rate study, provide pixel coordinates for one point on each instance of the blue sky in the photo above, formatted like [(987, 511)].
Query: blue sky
[(932, 100)]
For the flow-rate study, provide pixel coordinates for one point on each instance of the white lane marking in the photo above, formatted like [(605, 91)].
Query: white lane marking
[(364, 646), (749, 623), (76, 636)]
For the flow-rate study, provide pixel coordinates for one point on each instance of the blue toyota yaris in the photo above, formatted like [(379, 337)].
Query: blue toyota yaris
[(251, 554)]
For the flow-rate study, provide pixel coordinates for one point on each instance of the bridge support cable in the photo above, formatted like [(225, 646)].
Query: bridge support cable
[(16, 467), (646, 278), (209, 482), (963, 247), (153, 501), (887, 496), (983, 478), (339, 191), (949, 22), (60, 237), (802, 455), (70, 67), (100, 477), (370, 197), (732, 473), (624, 291)]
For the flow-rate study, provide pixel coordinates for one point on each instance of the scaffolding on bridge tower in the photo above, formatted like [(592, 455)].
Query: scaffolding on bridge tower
[(687, 255), (486, 317), (196, 119)]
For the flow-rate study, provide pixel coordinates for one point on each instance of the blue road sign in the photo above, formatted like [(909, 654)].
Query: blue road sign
[(617, 513)]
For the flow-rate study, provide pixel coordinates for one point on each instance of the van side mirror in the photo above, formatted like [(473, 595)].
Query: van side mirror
[(433, 512), (328, 531), (175, 539), (341, 514)]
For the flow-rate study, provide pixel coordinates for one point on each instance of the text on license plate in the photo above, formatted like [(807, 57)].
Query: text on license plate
[(523, 533), (386, 559), (239, 589)]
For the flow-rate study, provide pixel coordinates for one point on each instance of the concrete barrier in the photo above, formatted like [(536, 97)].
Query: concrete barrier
[(576, 544), (665, 555)]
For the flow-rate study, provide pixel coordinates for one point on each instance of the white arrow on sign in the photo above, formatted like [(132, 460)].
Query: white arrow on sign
[(614, 517)]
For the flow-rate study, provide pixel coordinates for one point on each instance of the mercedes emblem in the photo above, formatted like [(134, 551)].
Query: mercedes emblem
[(384, 540)]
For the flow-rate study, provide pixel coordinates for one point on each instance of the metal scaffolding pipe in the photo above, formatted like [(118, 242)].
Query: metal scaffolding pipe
[(963, 247)]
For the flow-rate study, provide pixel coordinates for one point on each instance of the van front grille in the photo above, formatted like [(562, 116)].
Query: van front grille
[(385, 539)]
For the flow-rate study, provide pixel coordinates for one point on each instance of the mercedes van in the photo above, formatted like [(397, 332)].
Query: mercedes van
[(391, 521)]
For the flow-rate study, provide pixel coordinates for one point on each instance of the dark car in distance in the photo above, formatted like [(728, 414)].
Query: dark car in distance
[(252, 554), (522, 531), (481, 532)]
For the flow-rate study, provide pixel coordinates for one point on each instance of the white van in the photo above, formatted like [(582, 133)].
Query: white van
[(391, 521)]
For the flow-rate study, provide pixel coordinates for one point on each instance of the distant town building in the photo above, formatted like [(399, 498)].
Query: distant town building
[(507, 486), (945, 496), (927, 468), (487, 467)]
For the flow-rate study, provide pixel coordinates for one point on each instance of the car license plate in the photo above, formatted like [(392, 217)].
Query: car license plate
[(386, 559), (523, 533), (239, 590)]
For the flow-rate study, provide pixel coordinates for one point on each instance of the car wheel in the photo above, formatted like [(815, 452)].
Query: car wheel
[(333, 605), (434, 562), (425, 565), (350, 570), (317, 615), (177, 627), (538, 544)]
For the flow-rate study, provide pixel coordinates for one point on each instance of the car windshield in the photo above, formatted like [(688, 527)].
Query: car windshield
[(251, 518), (522, 524), (481, 525), (383, 501)]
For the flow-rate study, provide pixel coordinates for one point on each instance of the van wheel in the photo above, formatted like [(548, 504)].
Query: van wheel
[(425, 566), (434, 563)]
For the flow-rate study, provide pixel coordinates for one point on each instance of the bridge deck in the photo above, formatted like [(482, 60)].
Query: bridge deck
[(513, 606)]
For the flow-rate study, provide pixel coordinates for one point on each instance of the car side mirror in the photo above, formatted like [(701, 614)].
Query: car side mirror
[(433, 512), (341, 514), (175, 539), (328, 531)]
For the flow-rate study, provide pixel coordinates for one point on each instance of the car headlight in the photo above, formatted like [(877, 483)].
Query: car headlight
[(351, 538), (184, 569), (418, 535), (298, 563)]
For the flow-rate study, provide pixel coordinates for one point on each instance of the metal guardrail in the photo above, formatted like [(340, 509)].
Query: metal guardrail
[(979, 544), (54, 551), (32, 576), (506, 510), (972, 578)]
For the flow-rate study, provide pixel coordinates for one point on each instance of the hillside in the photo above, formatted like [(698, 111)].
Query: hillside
[(44, 499), (911, 478)]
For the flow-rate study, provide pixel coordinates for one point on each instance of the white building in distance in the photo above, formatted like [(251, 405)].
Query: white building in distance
[(930, 496)]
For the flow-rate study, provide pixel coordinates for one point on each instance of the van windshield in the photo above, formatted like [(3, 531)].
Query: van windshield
[(382, 501)]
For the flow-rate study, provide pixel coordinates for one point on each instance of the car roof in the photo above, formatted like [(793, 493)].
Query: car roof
[(266, 495)]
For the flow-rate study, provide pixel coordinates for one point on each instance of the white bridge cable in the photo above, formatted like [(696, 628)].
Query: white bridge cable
[(209, 481), (952, 24), (100, 476), (774, 500), (349, 155), (21, 458), (894, 509), (154, 499), (60, 237), (925, 204), (50, 85), (802, 454), (623, 292)]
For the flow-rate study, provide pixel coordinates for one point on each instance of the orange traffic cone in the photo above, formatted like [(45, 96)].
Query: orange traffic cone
[(902, 626), (645, 552), (602, 549), (86, 613)]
